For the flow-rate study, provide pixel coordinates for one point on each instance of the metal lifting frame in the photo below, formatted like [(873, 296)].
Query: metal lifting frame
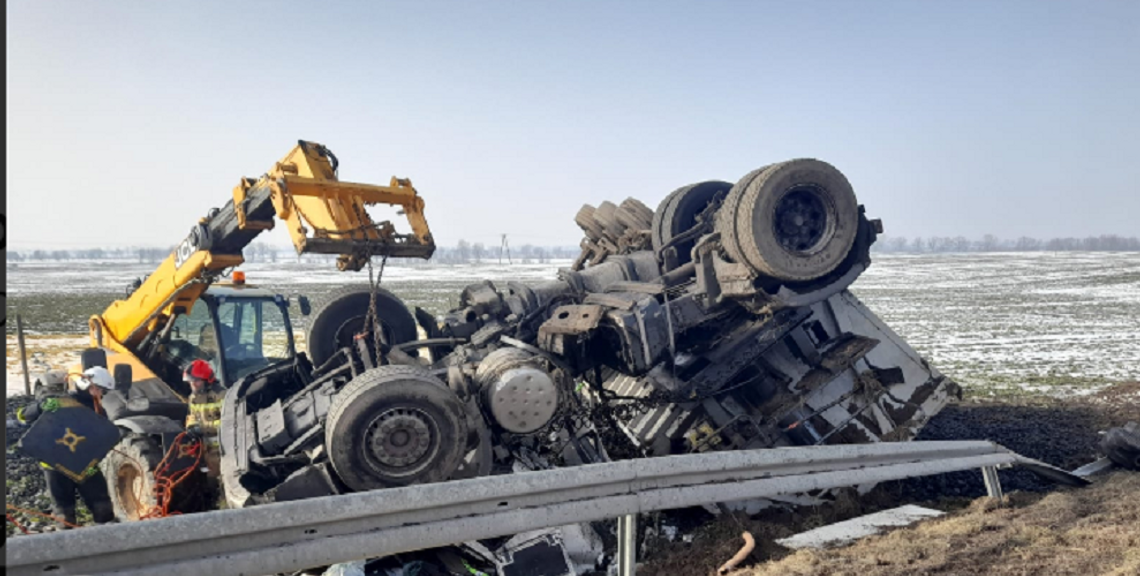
[(306, 194)]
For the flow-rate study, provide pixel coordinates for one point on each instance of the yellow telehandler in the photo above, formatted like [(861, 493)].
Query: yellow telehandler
[(187, 309)]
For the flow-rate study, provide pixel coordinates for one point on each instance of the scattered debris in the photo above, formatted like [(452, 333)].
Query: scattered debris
[(1098, 466), (741, 556), (1122, 445), (355, 568), (848, 531)]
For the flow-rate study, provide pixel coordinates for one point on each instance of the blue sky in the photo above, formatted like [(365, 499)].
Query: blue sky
[(128, 120)]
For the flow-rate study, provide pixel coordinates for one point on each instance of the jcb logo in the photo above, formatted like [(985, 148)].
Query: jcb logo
[(189, 246)]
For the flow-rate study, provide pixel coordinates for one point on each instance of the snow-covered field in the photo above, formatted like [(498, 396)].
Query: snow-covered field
[(1037, 322)]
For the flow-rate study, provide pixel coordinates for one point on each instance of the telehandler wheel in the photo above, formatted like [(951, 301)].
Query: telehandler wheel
[(678, 212), (129, 470), (793, 221), (394, 426), (339, 316)]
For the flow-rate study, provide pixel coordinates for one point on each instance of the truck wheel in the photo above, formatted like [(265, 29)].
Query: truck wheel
[(606, 217), (129, 470), (632, 214), (339, 316), (394, 426), (678, 212), (792, 221), (585, 220), (726, 217), (639, 209)]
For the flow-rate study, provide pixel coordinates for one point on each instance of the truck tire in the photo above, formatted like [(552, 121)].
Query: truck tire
[(395, 426), (628, 219), (726, 216), (129, 470), (634, 215), (339, 315), (585, 220), (678, 212), (606, 217), (643, 213), (793, 221)]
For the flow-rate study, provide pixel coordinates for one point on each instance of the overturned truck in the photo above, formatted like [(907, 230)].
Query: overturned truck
[(719, 321)]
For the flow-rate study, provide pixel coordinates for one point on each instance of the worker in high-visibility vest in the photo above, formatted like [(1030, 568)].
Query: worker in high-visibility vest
[(92, 488), (205, 416)]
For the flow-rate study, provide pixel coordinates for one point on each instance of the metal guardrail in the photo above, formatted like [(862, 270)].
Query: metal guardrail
[(290, 536)]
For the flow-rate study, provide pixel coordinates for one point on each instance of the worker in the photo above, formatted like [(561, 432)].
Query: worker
[(205, 416), (88, 392)]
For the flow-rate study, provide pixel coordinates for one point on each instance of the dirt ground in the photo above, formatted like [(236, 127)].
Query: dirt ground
[(1042, 529), (1088, 531)]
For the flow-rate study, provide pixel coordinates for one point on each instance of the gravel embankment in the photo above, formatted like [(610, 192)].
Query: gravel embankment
[(25, 482), (1063, 432)]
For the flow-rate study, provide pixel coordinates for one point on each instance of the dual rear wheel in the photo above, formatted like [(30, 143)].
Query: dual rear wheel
[(794, 221)]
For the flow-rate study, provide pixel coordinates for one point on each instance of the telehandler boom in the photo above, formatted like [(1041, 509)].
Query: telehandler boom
[(324, 216)]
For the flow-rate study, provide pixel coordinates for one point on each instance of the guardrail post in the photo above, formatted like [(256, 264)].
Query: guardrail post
[(993, 484), (627, 545)]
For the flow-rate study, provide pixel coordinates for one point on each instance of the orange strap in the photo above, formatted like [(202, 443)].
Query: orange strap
[(37, 513)]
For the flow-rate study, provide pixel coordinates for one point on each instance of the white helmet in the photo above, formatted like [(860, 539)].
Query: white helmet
[(97, 375)]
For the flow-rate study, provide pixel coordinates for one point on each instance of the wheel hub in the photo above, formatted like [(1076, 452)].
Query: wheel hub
[(800, 220), (128, 484), (400, 437)]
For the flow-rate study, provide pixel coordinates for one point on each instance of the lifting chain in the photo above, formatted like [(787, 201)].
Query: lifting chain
[(372, 320)]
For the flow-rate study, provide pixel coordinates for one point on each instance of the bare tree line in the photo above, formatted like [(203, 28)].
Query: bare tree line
[(463, 252), (991, 243), (256, 252)]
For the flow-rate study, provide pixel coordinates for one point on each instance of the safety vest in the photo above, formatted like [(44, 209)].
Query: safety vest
[(206, 409)]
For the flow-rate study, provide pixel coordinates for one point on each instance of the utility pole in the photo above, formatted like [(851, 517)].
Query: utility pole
[(507, 247), (23, 355)]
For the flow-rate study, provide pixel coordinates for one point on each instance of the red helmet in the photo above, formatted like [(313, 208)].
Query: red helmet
[(199, 369)]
